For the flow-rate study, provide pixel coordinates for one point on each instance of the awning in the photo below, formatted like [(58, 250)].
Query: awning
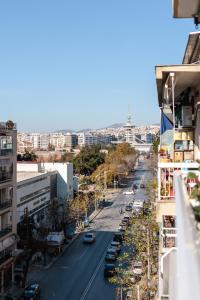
[(184, 76), (185, 8)]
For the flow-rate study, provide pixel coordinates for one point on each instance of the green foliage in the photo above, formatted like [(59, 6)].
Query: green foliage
[(66, 157), (155, 145), (89, 158), (27, 156), (117, 163)]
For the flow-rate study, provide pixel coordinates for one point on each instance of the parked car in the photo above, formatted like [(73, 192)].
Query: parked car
[(116, 245), (128, 208), (136, 186), (137, 268), (118, 237), (146, 211), (32, 292), (89, 238), (111, 254), (109, 270)]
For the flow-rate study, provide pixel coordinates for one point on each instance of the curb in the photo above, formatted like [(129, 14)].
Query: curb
[(69, 244)]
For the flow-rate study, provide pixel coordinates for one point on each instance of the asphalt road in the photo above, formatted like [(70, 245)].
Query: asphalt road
[(78, 273)]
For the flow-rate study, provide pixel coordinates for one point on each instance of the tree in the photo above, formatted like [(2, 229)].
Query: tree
[(89, 158), (51, 147), (27, 156)]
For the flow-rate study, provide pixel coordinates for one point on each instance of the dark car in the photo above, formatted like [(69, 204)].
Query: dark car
[(146, 211), (128, 208), (32, 291), (125, 221), (109, 270), (136, 186), (142, 185), (118, 237)]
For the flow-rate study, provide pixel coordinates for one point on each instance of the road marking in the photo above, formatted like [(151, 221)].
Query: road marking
[(84, 294)]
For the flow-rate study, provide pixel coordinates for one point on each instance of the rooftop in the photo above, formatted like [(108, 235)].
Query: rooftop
[(21, 176)]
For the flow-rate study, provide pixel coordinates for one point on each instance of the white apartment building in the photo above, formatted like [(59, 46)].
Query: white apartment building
[(8, 152), (85, 139)]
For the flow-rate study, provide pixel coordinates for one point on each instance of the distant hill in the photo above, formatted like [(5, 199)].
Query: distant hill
[(116, 125)]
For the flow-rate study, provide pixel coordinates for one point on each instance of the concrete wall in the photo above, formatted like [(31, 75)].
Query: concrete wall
[(36, 202), (64, 178), (165, 208)]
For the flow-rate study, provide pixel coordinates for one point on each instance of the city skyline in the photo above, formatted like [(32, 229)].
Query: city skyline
[(83, 64)]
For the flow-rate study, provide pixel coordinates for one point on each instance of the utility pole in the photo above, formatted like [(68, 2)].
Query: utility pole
[(138, 292), (148, 263)]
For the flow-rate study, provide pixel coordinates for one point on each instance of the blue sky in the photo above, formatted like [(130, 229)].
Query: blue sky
[(79, 64)]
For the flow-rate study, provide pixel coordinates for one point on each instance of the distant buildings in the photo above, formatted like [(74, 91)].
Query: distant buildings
[(69, 141)]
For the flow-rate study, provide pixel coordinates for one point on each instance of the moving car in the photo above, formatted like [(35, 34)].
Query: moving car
[(32, 292), (111, 254), (128, 193), (89, 238), (109, 270), (116, 245)]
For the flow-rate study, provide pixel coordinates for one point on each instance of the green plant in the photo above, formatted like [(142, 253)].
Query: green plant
[(191, 175)]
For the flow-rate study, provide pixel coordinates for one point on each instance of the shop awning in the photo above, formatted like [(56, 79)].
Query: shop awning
[(184, 76)]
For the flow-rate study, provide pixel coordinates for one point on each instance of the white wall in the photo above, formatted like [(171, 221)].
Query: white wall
[(27, 187), (64, 178)]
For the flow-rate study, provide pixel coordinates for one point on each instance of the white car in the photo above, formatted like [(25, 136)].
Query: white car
[(137, 268), (128, 193), (89, 238)]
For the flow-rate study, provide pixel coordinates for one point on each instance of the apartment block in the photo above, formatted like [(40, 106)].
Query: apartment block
[(178, 89), (8, 239)]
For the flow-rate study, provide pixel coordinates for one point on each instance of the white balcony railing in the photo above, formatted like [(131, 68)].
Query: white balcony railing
[(187, 284)]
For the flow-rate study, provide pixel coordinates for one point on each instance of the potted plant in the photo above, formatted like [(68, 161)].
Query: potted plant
[(9, 124)]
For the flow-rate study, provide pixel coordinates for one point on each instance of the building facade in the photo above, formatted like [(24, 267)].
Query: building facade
[(35, 190), (8, 153), (178, 89)]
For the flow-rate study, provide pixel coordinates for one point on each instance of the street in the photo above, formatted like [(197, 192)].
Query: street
[(78, 273)]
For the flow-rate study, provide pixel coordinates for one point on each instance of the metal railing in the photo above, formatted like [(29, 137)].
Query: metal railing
[(6, 126), (6, 152), (5, 203), (5, 176), (5, 230)]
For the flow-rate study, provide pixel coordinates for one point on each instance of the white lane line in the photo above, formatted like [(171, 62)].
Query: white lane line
[(84, 294)]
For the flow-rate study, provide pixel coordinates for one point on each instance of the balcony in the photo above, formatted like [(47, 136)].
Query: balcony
[(5, 230), (6, 152), (188, 251), (5, 204), (4, 256), (7, 126), (5, 176), (169, 236)]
